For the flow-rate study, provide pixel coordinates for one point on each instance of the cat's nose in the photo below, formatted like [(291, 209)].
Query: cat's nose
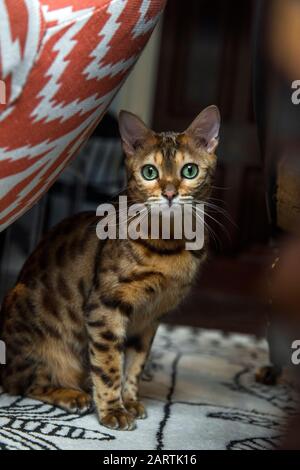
[(169, 192)]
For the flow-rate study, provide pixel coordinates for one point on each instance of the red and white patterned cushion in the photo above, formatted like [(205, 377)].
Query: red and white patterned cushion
[(62, 61)]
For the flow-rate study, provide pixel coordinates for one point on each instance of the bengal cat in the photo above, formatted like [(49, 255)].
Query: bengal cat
[(80, 321)]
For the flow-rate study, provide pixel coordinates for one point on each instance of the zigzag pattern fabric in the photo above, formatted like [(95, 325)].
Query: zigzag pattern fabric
[(61, 63)]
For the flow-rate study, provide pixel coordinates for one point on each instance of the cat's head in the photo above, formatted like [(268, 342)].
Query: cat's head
[(169, 167)]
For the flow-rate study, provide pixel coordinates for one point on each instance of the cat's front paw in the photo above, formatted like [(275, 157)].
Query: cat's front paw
[(118, 419), (136, 408)]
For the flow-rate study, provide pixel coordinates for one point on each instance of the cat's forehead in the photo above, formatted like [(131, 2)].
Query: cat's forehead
[(170, 149), (167, 151), (168, 143)]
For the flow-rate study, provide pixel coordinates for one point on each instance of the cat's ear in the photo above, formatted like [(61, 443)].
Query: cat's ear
[(134, 132), (204, 130)]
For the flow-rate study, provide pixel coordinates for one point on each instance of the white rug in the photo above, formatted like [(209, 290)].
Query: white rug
[(200, 394)]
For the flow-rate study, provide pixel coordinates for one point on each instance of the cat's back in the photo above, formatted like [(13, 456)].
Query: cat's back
[(67, 244), (57, 274), (41, 317)]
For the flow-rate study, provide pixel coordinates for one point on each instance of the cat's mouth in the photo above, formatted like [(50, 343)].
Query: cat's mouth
[(165, 202)]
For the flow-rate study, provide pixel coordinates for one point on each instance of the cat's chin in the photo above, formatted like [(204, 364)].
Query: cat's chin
[(166, 206)]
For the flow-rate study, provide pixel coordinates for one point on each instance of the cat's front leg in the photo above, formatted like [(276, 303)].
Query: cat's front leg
[(136, 353), (106, 330)]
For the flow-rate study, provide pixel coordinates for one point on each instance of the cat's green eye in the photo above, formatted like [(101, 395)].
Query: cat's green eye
[(190, 171), (149, 172)]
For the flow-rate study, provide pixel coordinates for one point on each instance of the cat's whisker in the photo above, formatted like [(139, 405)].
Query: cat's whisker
[(111, 216), (215, 220), (210, 230), (115, 216), (128, 202), (158, 203), (128, 220), (225, 188), (215, 206), (222, 212), (216, 199), (218, 209)]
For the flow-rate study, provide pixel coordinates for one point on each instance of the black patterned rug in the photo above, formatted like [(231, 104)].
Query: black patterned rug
[(200, 393)]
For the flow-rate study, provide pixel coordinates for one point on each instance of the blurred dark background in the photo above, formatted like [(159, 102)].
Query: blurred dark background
[(208, 53)]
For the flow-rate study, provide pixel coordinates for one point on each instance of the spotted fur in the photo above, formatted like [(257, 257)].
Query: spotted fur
[(82, 306)]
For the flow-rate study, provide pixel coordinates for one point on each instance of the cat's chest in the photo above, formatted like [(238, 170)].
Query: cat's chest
[(149, 286), (176, 271), (169, 288)]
